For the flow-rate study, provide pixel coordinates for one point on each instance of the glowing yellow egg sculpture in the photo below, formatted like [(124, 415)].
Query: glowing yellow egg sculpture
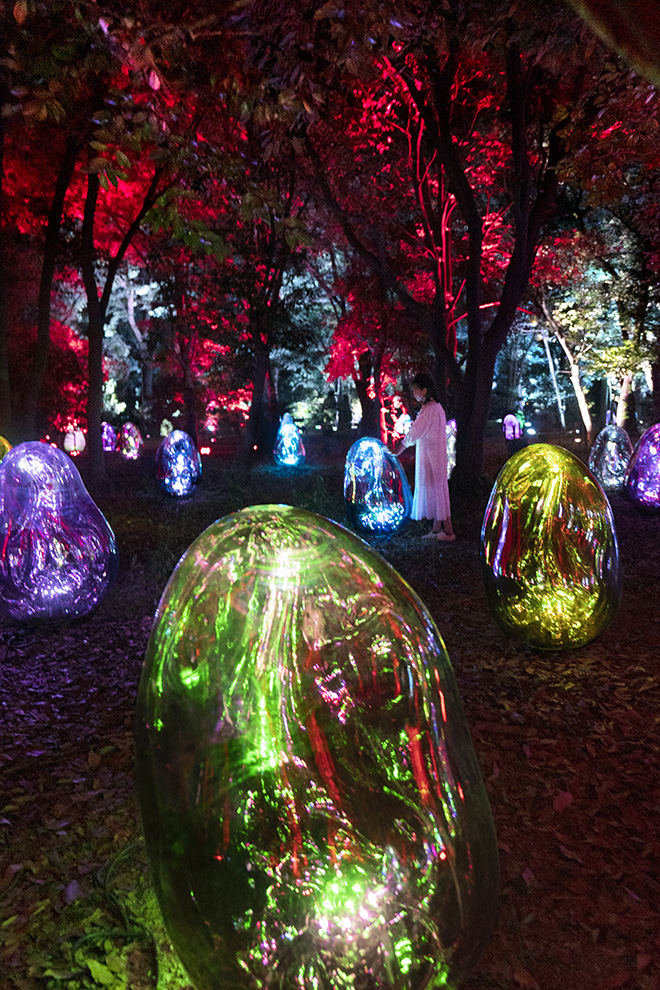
[(312, 804), (549, 550)]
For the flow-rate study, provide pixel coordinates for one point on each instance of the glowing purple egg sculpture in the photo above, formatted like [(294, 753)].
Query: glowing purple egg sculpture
[(58, 555), (108, 436), (609, 456), (130, 442), (178, 464), (377, 495), (642, 481), (289, 450)]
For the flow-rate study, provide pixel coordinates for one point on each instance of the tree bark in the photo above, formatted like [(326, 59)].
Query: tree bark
[(96, 460)]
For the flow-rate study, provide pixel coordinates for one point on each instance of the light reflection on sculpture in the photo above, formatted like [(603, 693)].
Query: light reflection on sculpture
[(108, 436), (609, 456), (58, 556), (377, 495), (550, 558), (130, 442), (5, 447), (178, 464), (642, 481), (289, 450), (451, 446), (311, 801)]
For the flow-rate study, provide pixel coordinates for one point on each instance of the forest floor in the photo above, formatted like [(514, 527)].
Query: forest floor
[(568, 744)]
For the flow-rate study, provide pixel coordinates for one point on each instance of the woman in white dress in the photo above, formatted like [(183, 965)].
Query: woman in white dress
[(429, 434)]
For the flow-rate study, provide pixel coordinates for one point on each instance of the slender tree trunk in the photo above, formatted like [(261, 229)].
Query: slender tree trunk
[(655, 378), (42, 348), (555, 384), (625, 409), (98, 476), (5, 391), (256, 436)]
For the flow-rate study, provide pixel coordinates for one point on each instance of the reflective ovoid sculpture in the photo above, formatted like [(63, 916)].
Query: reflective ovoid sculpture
[(451, 446), (550, 556), (289, 449), (312, 804), (377, 495), (609, 456), (74, 442), (58, 556), (178, 464), (108, 436), (5, 447), (130, 442), (642, 481)]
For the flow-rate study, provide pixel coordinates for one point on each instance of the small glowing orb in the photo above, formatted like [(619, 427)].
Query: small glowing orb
[(609, 456), (289, 449), (377, 495), (312, 804), (451, 446), (58, 556), (108, 436), (178, 464), (74, 442), (5, 447), (130, 442), (550, 557), (642, 481)]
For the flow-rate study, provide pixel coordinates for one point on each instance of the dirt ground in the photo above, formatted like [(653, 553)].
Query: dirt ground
[(568, 744)]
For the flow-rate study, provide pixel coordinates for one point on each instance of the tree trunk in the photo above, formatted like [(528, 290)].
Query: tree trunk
[(5, 392), (42, 347), (655, 378), (256, 432), (98, 476)]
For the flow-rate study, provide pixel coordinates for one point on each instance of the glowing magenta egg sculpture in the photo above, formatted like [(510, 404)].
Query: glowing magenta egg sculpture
[(58, 556), (609, 456), (312, 804), (108, 436), (642, 481), (289, 450), (377, 495), (550, 557), (178, 464), (130, 442)]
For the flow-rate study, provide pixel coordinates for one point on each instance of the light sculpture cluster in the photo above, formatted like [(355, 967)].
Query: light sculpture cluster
[(130, 442), (58, 556), (642, 481), (377, 495), (550, 556), (609, 456), (178, 464), (312, 804), (289, 450), (108, 436)]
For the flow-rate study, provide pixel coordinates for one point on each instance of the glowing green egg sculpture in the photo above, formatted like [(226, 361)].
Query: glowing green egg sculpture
[(312, 804), (549, 550)]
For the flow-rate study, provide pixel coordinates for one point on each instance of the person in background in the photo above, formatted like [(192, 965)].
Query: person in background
[(429, 434), (512, 432)]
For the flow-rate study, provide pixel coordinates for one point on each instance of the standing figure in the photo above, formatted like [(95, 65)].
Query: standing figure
[(429, 434)]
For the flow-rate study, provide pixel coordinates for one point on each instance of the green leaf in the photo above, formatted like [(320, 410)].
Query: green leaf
[(100, 973)]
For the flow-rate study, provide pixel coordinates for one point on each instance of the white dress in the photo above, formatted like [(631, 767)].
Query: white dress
[(429, 433)]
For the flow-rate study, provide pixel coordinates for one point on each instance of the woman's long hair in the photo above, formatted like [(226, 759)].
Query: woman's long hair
[(422, 380)]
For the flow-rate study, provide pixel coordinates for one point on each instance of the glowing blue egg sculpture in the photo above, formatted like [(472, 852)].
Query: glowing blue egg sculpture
[(312, 804), (58, 555), (451, 446), (178, 464), (609, 456), (289, 450), (642, 481), (550, 558), (108, 436), (130, 442), (377, 495)]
